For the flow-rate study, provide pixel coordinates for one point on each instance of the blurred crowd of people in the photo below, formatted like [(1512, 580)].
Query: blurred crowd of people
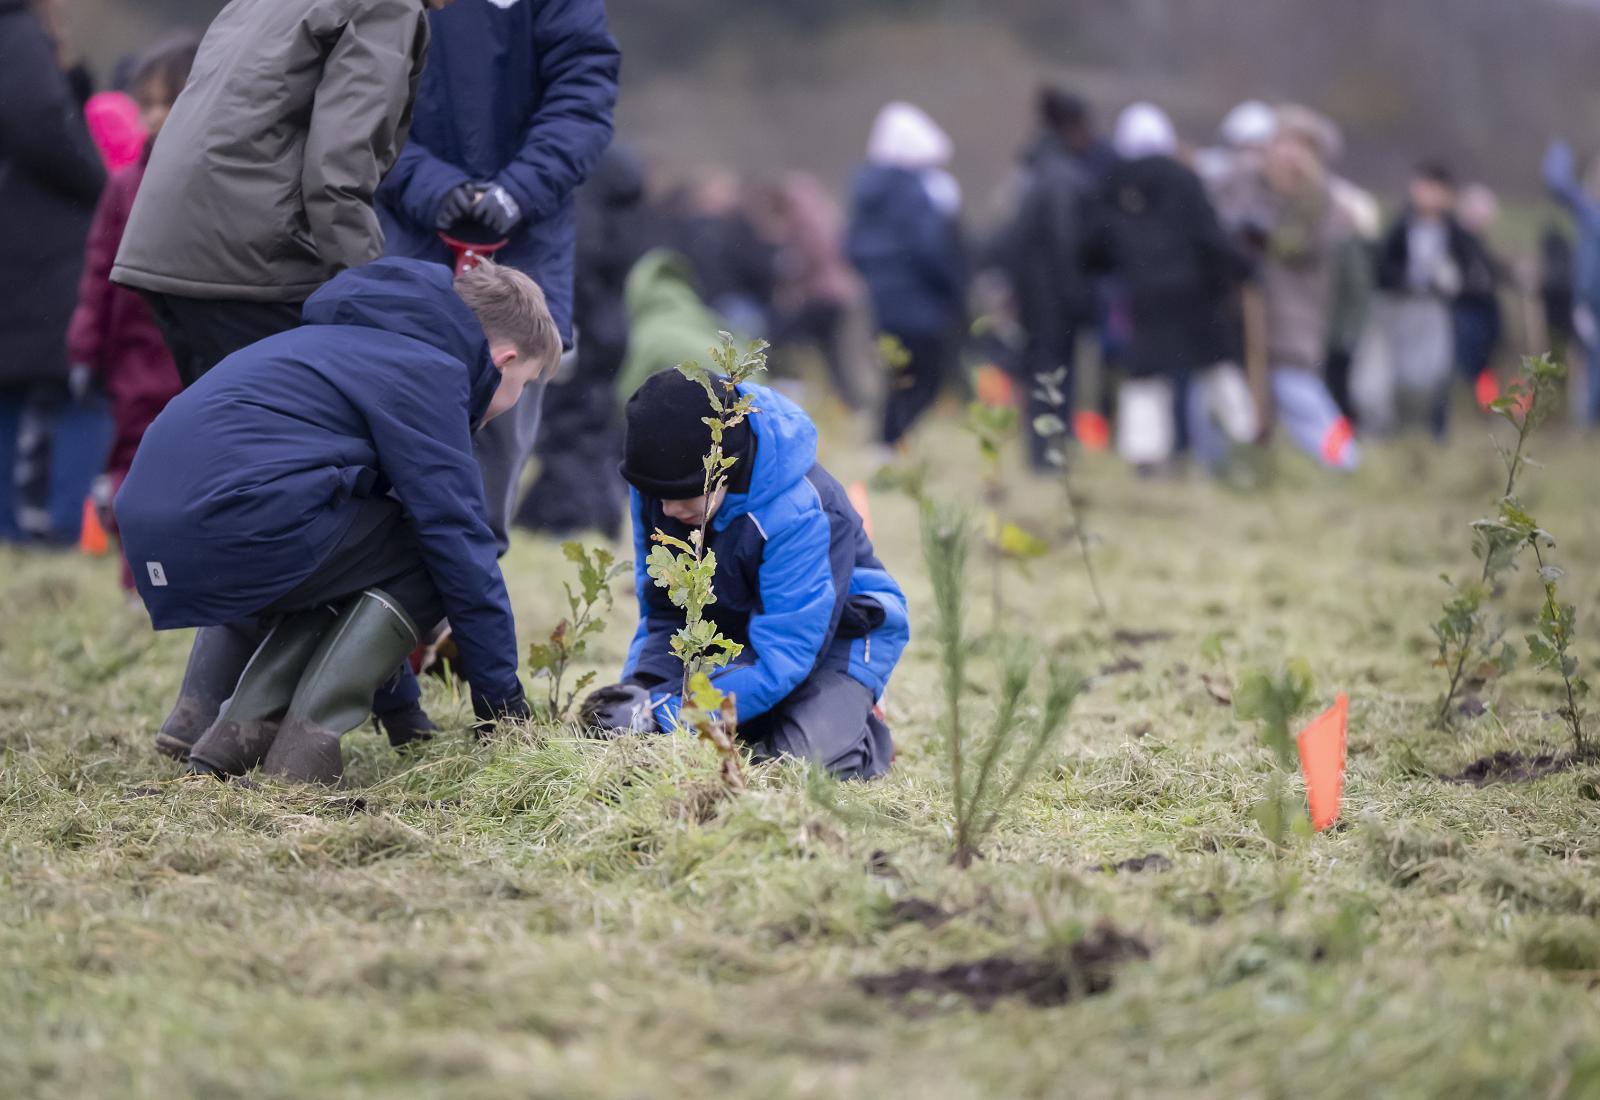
[(1220, 292)]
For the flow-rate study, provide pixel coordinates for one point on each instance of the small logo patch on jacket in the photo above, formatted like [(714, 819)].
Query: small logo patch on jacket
[(158, 574)]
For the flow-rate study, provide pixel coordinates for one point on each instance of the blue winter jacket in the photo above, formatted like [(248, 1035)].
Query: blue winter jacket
[(797, 582), (519, 93), (907, 251), (247, 481)]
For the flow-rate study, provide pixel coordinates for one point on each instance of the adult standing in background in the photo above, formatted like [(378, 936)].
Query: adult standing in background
[(905, 242), (50, 180), (1042, 251), (580, 441), (513, 114), (261, 186)]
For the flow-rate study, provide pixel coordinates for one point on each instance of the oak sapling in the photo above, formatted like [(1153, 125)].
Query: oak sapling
[(598, 570), (687, 569), (1470, 644)]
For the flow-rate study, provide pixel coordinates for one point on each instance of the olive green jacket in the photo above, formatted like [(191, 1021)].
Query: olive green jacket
[(260, 185)]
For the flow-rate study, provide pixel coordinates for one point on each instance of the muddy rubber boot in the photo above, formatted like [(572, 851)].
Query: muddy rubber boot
[(373, 635), (216, 662), (240, 737)]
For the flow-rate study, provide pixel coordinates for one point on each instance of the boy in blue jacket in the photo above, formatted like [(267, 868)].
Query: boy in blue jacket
[(312, 504), (797, 583)]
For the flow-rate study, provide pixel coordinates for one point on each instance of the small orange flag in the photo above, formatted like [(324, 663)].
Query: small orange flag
[(1092, 430), (1486, 389), (1322, 746), (858, 500), (995, 387), (92, 538)]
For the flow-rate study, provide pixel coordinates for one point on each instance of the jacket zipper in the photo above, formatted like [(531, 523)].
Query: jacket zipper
[(867, 656)]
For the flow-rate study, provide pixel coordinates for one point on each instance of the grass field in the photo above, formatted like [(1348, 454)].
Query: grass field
[(548, 917)]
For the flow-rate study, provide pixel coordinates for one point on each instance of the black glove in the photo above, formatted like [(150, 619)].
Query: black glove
[(492, 714), (457, 205), (624, 707), (497, 211)]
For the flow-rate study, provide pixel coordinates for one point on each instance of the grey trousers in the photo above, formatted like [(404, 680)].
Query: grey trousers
[(503, 448), (828, 720)]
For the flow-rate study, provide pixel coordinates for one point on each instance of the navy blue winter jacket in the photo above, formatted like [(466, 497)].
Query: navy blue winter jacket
[(908, 253), (519, 93), (797, 582), (248, 480)]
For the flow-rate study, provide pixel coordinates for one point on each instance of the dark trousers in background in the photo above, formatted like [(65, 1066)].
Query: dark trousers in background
[(820, 324), (579, 448), (1043, 359), (913, 387), (42, 406), (201, 333), (828, 720)]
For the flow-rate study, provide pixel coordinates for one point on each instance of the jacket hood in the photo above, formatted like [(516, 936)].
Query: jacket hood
[(786, 449), (661, 281), (1144, 130), (904, 136), (415, 299)]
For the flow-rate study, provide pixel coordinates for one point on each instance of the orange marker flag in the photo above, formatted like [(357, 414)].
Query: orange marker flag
[(1091, 430), (1322, 745), (858, 500), (92, 538)]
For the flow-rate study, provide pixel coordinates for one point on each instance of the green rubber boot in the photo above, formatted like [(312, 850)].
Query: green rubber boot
[(216, 661), (372, 637), (243, 732)]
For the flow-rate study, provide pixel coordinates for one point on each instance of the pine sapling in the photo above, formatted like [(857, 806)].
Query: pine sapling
[(598, 570), (1019, 735), (687, 569), (1469, 641)]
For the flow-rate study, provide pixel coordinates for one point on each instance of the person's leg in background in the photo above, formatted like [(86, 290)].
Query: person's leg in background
[(1058, 353), (1591, 399), (828, 720), (43, 404), (503, 448), (913, 385), (1312, 420), (578, 447)]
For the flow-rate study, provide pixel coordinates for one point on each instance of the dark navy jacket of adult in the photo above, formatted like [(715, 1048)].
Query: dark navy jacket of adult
[(797, 581), (908, 253), (519, 93), (247, 481)]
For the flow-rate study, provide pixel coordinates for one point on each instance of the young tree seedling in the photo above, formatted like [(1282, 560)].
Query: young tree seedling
[(598, 570), (1017, 733), (1468, 640), (687, 569)]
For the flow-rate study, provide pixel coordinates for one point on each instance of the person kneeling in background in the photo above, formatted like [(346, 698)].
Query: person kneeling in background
[(797, 582), (313, 505)]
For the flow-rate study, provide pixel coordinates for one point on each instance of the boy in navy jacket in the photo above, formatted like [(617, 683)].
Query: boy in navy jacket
[(312, 504), (797, 582)]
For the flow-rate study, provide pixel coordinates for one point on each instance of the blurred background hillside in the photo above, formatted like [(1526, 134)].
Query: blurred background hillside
[(764, 85)]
